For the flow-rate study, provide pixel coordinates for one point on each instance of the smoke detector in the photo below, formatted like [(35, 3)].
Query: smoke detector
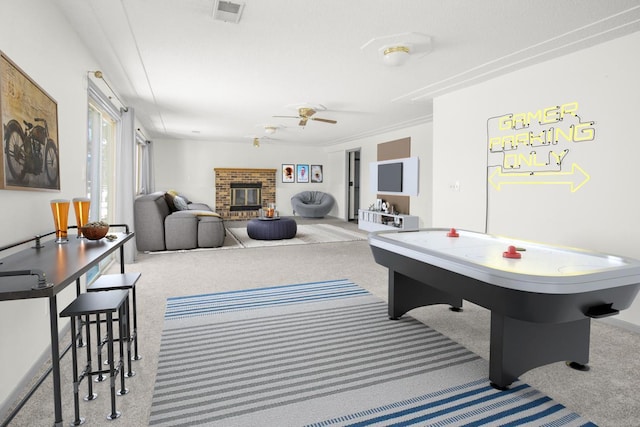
[(227, 11)]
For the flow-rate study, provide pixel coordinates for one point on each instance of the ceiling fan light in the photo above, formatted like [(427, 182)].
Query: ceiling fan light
[(256, 142), (395, 55)]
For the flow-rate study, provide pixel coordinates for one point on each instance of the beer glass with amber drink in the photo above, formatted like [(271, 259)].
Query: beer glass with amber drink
[(81, 208), (60, 210)]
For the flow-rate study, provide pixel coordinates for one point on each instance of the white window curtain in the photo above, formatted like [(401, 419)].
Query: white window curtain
[(146, 166), (126, 179), (124, 168)]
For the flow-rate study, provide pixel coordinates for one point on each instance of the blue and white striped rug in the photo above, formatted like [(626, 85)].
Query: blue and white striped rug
[(325, 354)]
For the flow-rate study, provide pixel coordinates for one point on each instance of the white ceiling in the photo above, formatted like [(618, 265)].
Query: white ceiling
[(189, 76)]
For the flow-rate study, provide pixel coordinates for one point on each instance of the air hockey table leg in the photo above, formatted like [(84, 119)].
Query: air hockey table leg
[(406, 294), (518, 346)]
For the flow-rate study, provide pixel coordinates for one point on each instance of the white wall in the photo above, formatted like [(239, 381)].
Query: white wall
[(188, 167), (50, 53), (603, 214), (421, 147)]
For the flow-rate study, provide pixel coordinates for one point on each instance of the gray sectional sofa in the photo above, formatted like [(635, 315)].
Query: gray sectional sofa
[(169, 221)]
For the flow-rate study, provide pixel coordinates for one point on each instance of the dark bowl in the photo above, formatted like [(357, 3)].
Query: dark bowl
[(95, 233)]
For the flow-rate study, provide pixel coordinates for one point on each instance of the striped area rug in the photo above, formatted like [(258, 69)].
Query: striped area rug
[(307, 233), (325, 354)]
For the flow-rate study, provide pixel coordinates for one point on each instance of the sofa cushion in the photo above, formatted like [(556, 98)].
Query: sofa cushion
[(199, 207), (181, 231), (211, 231)]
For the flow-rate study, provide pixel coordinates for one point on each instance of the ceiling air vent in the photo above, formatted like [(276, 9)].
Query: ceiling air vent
[(227, 11)]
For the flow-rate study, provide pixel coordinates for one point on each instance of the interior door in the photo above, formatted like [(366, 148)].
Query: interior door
[(353, 184)]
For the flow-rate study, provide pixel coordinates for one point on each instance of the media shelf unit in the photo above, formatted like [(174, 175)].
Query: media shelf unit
[(378, 220)]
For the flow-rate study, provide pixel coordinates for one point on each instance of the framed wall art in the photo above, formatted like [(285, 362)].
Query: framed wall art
[(316, 173), (302, 173), (288, 173), (30, 150)]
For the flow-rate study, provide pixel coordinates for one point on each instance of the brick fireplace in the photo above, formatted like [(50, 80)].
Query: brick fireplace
[(229, 180)]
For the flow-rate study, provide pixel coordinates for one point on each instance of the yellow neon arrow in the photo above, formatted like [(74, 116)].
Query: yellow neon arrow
[(498, 178)]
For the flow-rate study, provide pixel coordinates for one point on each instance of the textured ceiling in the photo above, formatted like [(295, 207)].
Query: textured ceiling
[(189, 76)]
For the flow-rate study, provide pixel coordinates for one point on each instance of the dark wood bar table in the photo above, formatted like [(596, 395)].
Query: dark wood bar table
[(62, 264)]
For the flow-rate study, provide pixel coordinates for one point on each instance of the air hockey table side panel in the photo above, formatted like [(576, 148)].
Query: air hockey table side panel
[(409, 281)]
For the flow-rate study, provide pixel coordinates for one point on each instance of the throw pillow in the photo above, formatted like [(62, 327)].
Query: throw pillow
[(168, 197), (186, 199), (180, 203)]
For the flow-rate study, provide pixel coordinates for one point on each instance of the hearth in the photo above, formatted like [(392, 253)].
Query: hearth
[(252, 189)]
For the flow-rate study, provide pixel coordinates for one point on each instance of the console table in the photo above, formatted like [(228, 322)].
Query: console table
[(22, 276), (377, 221)]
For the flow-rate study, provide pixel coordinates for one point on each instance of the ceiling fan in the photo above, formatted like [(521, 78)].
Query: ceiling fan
[(305, 113)]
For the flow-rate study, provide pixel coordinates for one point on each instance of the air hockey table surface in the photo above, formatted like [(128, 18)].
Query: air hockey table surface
[(541, 267)]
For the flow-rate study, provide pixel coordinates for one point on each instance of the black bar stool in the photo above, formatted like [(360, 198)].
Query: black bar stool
[(85, 305), (109, 282)]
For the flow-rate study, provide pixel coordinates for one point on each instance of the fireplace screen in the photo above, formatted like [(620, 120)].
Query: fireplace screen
[(246, 196)]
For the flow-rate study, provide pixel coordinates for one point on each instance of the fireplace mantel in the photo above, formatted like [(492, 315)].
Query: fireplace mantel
[(246, 170), (225, 176)]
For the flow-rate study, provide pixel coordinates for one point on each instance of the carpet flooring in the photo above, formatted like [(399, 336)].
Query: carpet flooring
[(325, 354)]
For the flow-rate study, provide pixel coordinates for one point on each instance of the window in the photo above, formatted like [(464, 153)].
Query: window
[(102, 138), (101, 150)]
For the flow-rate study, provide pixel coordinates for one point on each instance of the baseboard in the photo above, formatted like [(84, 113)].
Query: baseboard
[(25, 384)]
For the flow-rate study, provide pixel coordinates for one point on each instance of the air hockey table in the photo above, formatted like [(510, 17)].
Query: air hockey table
[(541, 297)]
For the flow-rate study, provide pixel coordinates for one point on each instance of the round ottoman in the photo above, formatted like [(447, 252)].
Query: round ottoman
[(275, 229)]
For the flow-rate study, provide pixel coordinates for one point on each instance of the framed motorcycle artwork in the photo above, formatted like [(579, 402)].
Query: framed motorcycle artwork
[(30, 149)]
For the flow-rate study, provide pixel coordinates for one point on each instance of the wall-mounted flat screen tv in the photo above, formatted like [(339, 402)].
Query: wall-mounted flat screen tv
[(390, 177)]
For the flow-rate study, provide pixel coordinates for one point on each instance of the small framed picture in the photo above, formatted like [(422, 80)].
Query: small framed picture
[(302, 173), (316, 173), (288, 173)]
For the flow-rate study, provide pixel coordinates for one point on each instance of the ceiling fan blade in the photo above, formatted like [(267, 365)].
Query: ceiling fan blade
[(318, 119), (288, 117), (303, 121)]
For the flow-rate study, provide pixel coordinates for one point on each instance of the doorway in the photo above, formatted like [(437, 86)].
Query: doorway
[(353, 184)]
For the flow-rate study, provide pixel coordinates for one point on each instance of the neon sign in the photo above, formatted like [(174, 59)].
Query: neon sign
[(531, 147)]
